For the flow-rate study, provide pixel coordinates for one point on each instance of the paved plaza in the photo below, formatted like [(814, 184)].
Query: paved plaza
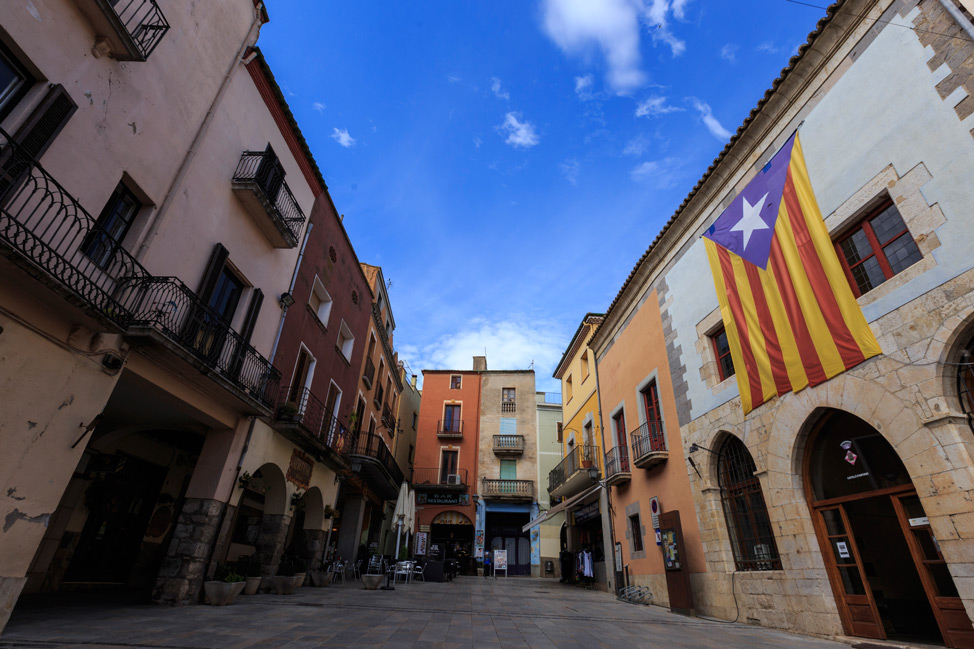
[(469, 612)]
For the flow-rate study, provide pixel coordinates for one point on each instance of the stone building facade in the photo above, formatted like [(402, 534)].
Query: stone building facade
[(872, 468)]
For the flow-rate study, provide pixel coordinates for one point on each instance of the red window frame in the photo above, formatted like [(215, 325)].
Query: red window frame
[(619, 420), (455, 381), (651, 404), (720, 357), (865, 224)]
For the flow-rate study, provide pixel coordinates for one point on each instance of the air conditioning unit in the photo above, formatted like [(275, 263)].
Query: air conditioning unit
[(453, 479)]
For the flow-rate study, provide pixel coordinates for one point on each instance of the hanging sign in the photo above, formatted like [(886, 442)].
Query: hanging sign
[(916, 522), (419, 543), (654, 509), (843, 549), (659, 538)]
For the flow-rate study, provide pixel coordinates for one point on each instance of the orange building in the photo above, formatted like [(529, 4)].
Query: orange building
[(644, 452), (446, 461)]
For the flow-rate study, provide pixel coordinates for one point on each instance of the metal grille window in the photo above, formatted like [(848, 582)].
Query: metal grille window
[(881, 246), (744, 509), (965, 382)]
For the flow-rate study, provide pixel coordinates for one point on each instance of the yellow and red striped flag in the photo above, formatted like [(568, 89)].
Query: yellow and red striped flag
[(789, 312)]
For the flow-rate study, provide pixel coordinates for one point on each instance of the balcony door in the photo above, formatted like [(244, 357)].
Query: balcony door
[(448, 465), (451, 419)]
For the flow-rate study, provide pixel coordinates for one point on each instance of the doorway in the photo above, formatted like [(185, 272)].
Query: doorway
[(885, 567)]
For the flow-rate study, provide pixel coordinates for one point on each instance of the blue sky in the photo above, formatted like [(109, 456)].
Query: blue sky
[(508, 162)]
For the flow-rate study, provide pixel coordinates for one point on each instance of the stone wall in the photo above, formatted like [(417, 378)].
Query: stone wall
[(184, 567)]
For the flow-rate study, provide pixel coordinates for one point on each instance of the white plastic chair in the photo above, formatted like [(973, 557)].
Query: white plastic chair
[(418, 572)]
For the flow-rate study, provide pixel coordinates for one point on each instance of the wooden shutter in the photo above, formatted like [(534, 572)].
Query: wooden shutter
[(253, 309), (212, 273), (36, 134)]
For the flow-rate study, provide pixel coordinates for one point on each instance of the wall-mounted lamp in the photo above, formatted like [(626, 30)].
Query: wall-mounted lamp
[(286, 300), (696, 447)]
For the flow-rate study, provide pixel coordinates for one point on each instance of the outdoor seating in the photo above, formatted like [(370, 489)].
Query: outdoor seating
[(356, 569), (404, 569), (418, 570), (338, 567)]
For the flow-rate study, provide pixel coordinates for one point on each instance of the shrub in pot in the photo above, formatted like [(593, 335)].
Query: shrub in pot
[(250, 568), (225, 588)]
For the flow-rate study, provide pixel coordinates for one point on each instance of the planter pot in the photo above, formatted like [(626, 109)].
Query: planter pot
[(252, 585), (371, 582), (299, 579), (220, 593), (320, 577), (283, 585)]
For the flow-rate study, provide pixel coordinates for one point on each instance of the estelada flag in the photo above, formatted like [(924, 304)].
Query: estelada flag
[(789, 313)]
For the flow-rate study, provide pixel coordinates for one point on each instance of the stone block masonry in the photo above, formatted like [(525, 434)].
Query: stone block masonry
[(184, 568)]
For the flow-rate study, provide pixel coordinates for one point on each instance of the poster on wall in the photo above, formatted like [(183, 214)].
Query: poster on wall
[(419, 543), (479, 545)]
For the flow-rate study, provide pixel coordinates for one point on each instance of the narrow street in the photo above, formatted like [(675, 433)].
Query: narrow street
[(469, 612)]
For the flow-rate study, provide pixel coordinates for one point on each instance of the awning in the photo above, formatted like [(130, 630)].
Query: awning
[(451, 518), (564, 505)]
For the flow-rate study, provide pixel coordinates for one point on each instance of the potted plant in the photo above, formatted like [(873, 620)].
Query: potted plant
[(250, 567), (300, 570), (287, 412), (225, 588), (322, 576), (283, 582)]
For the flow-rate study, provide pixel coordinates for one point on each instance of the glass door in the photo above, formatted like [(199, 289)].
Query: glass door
[(857, 606), (955, 625)]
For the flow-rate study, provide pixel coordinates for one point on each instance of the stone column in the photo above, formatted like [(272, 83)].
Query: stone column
[(270, 544), (349, 536), (314, 543), (184, 567)]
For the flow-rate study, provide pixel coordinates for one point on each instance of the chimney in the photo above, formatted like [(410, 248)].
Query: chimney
[(479, 363), (412, 381)]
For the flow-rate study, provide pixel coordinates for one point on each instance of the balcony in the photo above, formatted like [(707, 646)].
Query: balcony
[(371, 458), (508, 406), (388, 420), (46, 232), (130, 28), (449, 429), (303, 418), (507, 489), (377, 397), (507, 445), (259, 184), (439, 480), (578, 471), (369, 375), (649, 445), (617, 469)]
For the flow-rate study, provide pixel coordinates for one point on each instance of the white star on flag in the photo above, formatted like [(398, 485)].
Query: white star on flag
[(751, 219)]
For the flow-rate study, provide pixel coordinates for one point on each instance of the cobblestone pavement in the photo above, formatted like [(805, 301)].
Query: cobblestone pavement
[(469, 612)]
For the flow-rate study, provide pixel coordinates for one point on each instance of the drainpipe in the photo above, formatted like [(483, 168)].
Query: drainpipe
[(608, 489), (159, 218), (961, 19), (290, 291)]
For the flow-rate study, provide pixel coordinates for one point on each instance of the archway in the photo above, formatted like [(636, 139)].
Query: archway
[(453, 531), (884, 564), (262, 519)]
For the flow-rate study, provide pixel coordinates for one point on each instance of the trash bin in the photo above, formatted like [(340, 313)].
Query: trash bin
[(549, 567)]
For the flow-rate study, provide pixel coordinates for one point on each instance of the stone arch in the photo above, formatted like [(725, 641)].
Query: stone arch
[(275, 489), (956, 334), (314, 509)]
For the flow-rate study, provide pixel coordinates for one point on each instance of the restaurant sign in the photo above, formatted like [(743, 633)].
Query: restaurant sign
[(442, 499)]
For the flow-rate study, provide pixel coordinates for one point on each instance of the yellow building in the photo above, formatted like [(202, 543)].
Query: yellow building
[(575, 480)]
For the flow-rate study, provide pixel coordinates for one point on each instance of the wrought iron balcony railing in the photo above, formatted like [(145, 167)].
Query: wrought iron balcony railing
[(440, 478), (387, 419), (617, 466), (508, 444), (449, 428), (580, 457), (648, 445), (46, 231), (143, 22), (368, 376), (372, 446), (297, 406), (503, 488), (259, 182)]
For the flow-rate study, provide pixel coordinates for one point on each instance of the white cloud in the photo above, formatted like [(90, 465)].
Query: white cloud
[(636, 146), (729, 52), (342, 137), (519, 134), (657, 13), (453, 78), (707, 115), (583, 86), (495, 87), (663, 173), (318, 106), (769, 47), (644, 170), (511, 344), (570, 169), (477, 142), (655, 106)]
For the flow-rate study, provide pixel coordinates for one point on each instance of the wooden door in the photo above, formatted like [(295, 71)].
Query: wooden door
[(857, 608), (952, 618)]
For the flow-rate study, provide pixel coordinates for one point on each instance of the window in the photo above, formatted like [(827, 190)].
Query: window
[(301, 379), (654, 416), (451, 419), (619, 423), (560, 432), (725, 364), (879, 247), (414, 421), (345, 341), (636, 532), (455, 382), (585, 365), (448, 466), (320, 302), (412, 453), (508, 426), (744, 509), (568, 389), (15, 81), (104, 240), (509, 395), (508, 469)]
